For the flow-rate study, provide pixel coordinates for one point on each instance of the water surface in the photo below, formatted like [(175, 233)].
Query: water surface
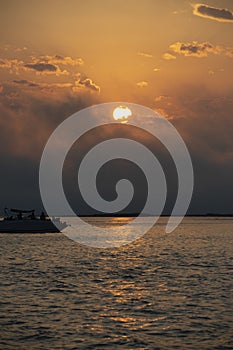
[(164, 291)]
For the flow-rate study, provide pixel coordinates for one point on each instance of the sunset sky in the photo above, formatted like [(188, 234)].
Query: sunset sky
[(57, 57)]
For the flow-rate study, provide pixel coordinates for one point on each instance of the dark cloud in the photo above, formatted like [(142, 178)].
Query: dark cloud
[(217, 14), (195, 49), (202, 117), (117, 169), (29, 116), (204, 120), (25, 82), (21, 81), (89, 84), (41, 67)]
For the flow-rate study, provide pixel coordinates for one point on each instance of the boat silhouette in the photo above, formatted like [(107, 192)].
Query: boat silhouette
[(25, 221)]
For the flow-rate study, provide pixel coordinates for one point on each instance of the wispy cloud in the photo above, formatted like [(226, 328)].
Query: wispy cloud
[(229, 52), (142, 83), (144, 54), (160, 98), (28, 83), (168, 56), (215, 13), (21, 49)]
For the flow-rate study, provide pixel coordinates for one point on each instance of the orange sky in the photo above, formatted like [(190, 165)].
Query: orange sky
[(129, 48)]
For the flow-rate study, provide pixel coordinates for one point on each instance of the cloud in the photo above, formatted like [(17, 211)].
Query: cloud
[(45, 69), (69, 61), (217, 14), (179, 11), (65, 61), (167, 56), (195, 49), (164, 113), (142, 83), (156, 69), (160, 98), (78, 81), (21, 81), (28, 115), (21, 49), (42, 85), (41, 67), (144, 54), (88, 83), (59, 85), (25, 82), (229, 52), (13, 65), (204, 120), (77, 86), (85, 83)]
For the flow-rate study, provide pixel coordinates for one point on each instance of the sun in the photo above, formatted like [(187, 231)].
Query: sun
[(122, 113)]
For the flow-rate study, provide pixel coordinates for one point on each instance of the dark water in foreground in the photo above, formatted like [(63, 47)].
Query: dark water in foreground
[(164, 291)]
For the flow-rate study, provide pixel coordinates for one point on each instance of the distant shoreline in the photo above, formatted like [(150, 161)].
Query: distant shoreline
[(137, 214), (134, 215)]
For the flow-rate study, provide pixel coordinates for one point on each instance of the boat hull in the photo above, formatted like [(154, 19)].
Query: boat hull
[(30, 226)]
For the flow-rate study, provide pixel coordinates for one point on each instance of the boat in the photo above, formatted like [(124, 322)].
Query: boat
[(25, 221)]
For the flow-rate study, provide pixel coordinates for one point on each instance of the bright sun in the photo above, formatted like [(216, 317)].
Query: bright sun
[(122, 113)]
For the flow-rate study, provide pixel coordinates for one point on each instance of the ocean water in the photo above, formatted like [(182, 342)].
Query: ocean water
[(163, 291)]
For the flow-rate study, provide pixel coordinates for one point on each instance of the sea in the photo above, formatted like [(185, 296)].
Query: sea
[(162, 291)]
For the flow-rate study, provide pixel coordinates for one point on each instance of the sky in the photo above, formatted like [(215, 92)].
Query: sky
[(57, 57)]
